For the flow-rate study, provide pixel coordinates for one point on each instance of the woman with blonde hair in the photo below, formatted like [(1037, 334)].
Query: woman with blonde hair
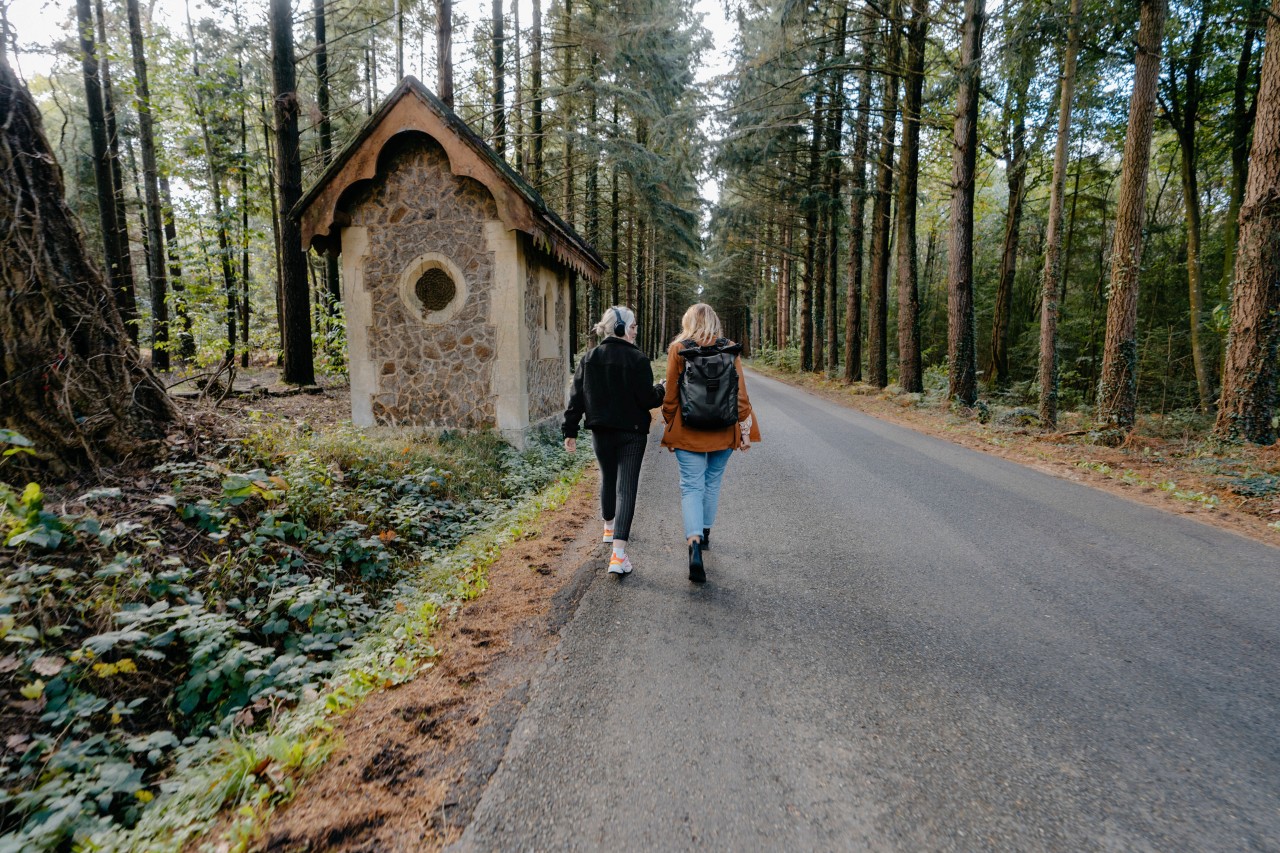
[(708, 416), (613, 387)]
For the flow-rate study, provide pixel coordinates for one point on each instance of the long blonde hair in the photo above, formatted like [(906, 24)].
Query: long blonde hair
[(700, 324)]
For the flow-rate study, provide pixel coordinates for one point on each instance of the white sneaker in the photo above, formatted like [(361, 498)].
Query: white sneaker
[(619, 564), (608, 534)]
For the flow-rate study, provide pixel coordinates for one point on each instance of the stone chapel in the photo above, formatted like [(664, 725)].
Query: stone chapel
[(457, 280)]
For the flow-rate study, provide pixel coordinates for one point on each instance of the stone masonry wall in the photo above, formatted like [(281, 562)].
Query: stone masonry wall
[(428, 375), (548, 372)]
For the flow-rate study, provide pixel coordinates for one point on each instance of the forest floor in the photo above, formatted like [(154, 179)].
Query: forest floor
[(276, 554), (1163, 463)]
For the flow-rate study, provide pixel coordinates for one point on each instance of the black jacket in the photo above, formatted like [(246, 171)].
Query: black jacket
[(613, 386)]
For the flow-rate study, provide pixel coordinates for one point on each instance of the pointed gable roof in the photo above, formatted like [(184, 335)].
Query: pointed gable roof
[(412, 107)]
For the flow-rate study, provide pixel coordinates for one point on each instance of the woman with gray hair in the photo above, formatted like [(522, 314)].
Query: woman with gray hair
[(614, 388)]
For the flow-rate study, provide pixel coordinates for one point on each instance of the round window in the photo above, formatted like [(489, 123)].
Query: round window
[(435, 290)]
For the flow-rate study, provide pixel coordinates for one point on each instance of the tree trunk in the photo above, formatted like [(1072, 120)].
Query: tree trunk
[(961, 336), (398, 13), (1183, 115), (499, 82), (564, 103), (878, 289), (296, 346), (151, 187), (1242, 115), (613, 221), (1015, 157), (517, 98), (1053, 272), (535, 73), (444, 50), (811, 237), (69, 378), (835, 131), (333, 287), (243, 167), (117, 180), (784, 289), (186, 340), (213, 173), (593, 170), (114, 253), (1118, 385), (910, 373), (857, 206), (1248, 402)]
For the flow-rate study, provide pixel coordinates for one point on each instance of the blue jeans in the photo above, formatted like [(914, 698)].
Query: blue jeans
[(700, 476)]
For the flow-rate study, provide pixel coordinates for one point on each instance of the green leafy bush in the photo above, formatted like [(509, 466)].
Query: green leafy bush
[(140, 627)]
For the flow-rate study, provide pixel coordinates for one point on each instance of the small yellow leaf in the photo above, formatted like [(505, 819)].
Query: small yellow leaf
[(104, 670), (143, 795), (127, 665), (115, 718), (34, 690)]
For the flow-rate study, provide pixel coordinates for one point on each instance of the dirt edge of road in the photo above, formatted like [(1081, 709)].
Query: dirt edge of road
[(413, 762), (1140, 471)]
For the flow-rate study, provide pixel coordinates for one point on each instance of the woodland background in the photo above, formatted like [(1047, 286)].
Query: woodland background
[(832, 138)]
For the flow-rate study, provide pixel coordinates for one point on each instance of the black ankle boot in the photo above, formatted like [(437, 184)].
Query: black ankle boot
[(696, 573), (706, 538)]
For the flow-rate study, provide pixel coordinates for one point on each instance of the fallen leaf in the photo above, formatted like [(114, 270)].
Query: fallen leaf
[(49, 666), (9, 663)]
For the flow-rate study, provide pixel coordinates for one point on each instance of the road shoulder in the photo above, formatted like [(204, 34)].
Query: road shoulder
[(413, 761)]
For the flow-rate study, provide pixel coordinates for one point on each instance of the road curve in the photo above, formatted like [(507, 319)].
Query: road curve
[(904, 645)]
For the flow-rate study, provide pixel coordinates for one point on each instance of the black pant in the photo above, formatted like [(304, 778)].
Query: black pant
[(620, 453)]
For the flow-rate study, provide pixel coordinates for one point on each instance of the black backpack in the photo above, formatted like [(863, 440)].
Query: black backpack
[(709, 385)]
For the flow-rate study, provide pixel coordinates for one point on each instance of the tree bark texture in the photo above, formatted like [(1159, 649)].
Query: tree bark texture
[(1248, 402), (535, 82), (910, 372), (1183, 114), (444, 50), (1243, 111), (784, 288), (811, 223), (295, 296), (499, 82), (857, 206), (151, 188), (1118, 384), (128, 287), (835, 130), (961, 335), (70, 380), (878, 285), (1053, 272), (113, 251)]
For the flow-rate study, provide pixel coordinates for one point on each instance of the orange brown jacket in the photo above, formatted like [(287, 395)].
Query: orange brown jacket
[(679, 437)]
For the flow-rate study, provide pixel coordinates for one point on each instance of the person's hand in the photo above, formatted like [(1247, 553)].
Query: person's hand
[(570, 445)]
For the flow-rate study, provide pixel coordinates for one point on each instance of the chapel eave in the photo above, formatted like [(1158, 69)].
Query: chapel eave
[(412, 107)]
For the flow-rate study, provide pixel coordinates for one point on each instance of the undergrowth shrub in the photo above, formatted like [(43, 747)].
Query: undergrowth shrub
[(785, 358), (140, 622)]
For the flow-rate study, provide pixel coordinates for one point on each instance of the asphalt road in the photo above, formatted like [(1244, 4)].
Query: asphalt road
[(904, 645)]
